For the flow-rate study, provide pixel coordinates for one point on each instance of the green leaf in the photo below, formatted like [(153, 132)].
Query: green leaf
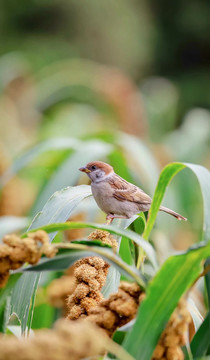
[(21, 297), (73, 251), (5, 300), (201, 341), (53, 228), (112, 282), (163, 293), (14, 330), (143, 159), (67, 173), (44, 316), (125, 251), (207, 281), (28, 156), (58, 208), (118, 162), (167, 174), (5, 292), (139, 224), (195, 314)]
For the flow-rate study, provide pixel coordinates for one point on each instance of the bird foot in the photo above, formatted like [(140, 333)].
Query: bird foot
[(111, 217)]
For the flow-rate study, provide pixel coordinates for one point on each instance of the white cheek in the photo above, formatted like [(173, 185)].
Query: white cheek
[(98, 176), (94, 176)]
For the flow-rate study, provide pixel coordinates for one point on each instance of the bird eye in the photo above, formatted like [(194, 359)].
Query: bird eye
[(93, 167)]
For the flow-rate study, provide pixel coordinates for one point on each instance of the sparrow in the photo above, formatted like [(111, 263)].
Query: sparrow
[(117, 197)]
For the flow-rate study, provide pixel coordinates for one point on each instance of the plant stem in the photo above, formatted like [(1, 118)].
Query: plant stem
[(108, 255)]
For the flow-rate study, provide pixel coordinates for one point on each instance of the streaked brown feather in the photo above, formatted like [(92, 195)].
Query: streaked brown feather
[(118, 183), (127, 191)]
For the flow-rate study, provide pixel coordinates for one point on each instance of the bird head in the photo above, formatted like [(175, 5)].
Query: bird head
[(97, 170)]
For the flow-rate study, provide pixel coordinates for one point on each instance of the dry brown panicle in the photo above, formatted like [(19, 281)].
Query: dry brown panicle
[(68, 340), (14, 252), (61, 288), (122, 307), (174, 335), (90, 276), (118, 309), (105, 237)]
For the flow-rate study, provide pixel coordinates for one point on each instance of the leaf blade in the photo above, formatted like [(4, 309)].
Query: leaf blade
[(201, 340), (163, 293), (26, 286), (68, 256), (111, 228), (167, 174)]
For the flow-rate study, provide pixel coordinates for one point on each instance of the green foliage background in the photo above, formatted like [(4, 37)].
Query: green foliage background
[(122, 82)]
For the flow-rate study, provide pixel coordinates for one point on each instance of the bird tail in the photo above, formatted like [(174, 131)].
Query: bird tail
[(173, 213)]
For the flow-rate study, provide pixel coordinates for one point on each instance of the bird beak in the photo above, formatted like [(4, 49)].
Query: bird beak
[(84, 169)]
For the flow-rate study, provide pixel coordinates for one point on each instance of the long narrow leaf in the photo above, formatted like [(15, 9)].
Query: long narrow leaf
[(144, 160), (29, 155), (203, 176), (67, 257), (21, 298), (52, 144), (58, 208), (5, 299), (52, 228), (163, 293), (207, 281), (67, 173), (201, 340), (8, 288)]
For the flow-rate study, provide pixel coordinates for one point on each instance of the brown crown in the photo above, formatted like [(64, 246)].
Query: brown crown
[(101, 165)]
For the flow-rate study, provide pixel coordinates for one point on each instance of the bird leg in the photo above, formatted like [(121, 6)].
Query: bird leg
[(111, 217)]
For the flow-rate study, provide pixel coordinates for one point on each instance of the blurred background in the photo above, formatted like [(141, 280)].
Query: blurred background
[(127, 82)]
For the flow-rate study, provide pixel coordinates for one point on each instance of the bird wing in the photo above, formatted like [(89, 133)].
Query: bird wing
[(124, 190)]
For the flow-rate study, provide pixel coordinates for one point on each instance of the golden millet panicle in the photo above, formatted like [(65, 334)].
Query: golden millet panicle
[(90, 276), (68, 340), (105, 237), (174, 335), (118, 309), (14, 252), (60, 289)]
